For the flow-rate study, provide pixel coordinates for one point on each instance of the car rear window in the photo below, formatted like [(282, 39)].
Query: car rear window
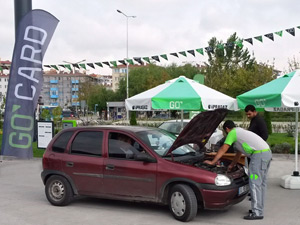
[(88, 143), (61, 142)]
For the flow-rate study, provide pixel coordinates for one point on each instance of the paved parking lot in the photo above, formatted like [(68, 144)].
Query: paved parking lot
[(23, 202)]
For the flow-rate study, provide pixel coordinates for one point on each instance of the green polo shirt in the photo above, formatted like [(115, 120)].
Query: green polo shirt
[(245, 141)]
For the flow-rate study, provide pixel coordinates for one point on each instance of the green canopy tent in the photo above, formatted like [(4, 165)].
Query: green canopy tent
[(278, 95), (180, 94)]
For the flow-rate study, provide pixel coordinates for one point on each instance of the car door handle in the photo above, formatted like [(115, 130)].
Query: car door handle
[(110, 167), (70, 164)]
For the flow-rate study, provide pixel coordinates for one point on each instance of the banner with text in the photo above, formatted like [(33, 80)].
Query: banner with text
[(34, 33)]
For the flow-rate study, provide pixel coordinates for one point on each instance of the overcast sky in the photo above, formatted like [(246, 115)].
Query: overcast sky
[(94, 31)]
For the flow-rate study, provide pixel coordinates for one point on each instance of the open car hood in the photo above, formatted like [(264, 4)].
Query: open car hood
[(199, 129)]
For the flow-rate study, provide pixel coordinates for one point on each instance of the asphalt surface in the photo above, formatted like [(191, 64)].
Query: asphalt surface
[(23, 202)]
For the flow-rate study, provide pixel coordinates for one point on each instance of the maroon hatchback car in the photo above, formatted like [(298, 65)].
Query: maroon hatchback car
[(134, 164)]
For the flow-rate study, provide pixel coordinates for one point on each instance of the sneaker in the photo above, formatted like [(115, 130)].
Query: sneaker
[(253, 216)]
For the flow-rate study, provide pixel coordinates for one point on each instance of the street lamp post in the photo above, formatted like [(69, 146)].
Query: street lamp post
[(127, 86)]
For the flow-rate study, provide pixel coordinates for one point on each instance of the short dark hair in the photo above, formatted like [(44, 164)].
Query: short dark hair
[(228, 124), (250, 108)]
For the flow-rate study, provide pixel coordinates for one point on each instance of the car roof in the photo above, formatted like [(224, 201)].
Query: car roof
[(177, 121), (133, 129)]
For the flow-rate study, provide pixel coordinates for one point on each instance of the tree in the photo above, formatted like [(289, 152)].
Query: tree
[(56, 112), (45, 115), (231, 69)]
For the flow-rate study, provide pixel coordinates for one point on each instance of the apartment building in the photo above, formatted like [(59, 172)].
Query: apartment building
[(62, 89)]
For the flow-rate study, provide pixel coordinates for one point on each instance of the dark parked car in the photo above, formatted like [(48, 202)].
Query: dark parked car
[(134, 164)]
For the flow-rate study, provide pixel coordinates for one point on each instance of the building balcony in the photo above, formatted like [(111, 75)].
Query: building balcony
[(75, 81), (53, 96), (75, 89), (54, 89), (75, 103), (54, 103), (53, 81), (74, 96)]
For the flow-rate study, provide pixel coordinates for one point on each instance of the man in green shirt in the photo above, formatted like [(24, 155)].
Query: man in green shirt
[(258, 150)]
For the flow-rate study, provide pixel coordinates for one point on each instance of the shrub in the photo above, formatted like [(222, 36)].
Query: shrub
[(284, 148), (133, 118)]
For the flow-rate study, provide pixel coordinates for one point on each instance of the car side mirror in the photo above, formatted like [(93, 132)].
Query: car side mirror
[(144, 158)]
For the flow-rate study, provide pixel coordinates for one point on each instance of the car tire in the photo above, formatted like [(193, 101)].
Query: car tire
[(183, 202), (58, 191)]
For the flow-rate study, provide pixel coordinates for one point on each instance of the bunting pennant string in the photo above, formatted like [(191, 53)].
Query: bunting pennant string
[(147, 59), (164, 56), (192, 52), (174, 54), (91, 65), (270, 36), (279, 33), (209, 49), (106, 63), (122, 62), (99, 64), (259, 38), (182, 53), (155, 58), (82, 65), (291, 31), (249, 40)]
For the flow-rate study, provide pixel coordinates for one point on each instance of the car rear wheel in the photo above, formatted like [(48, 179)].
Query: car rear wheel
[(183, 202), (58, 191)]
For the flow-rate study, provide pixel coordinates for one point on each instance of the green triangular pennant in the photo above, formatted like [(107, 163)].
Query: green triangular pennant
[(130, 61), (54, 67), (68, 66), (82, 65), (99, 64), (147, 59), (182, 53), (114, 63), (279, 33), (200, 50), (164, 56), (259, 38), (63, 66), (239, 43), (1, 68), (298, 27), (220, 46)]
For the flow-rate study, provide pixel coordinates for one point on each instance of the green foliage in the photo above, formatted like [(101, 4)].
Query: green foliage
[(283, 148), (267, 117), (232, 70), (56, 112), (133, 118), (45, 115)]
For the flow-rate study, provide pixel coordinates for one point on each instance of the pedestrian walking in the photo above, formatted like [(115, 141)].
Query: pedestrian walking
[(257, 123)]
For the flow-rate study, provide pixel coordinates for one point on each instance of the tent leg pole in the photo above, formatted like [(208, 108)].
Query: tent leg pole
[(182, 119), (296, 172)]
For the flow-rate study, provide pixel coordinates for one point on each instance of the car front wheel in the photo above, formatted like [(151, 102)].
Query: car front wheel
[(183, 202), (58, 191)]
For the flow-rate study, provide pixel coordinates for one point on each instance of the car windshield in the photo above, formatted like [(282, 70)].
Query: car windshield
[(173, 127), (160, 142)]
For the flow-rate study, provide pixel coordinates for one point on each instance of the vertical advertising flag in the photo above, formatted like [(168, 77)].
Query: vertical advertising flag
[(34, 33)]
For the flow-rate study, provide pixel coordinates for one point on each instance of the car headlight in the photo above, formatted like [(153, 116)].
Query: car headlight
[(222, 180)]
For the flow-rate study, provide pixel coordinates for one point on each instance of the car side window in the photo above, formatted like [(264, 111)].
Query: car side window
[(122, 146), (61, 142), (88, 143)]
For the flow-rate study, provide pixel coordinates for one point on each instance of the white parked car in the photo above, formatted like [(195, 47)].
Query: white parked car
[(174, 127)]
